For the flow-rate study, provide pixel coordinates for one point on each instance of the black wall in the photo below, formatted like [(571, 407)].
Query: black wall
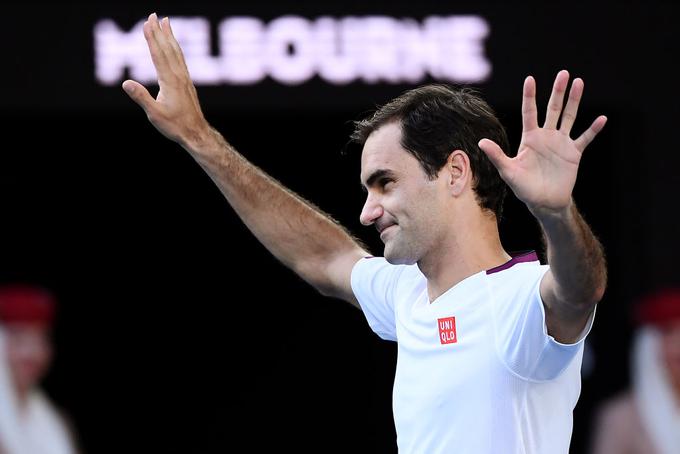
[(179, 333)]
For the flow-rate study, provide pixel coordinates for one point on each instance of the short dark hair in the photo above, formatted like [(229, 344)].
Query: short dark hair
[(438, 119)]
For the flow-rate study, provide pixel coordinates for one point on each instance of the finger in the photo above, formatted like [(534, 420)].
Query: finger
[(158, 57), (172, 41), (496, 155), (166, 28), (139, 94), (157, 31), (162, 37), (529, 113), (556, 100), (569, 114), (588, 136)]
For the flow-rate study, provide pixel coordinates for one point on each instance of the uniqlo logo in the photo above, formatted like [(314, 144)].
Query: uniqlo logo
[(447, 330)]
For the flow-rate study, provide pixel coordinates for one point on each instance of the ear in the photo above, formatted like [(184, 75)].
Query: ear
[(458, 172)]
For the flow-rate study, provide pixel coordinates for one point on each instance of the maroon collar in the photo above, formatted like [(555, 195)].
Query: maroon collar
[(529, 256)]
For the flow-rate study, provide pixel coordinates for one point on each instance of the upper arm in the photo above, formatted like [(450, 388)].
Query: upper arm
[(522, 336), (565, 320), (331, 276)]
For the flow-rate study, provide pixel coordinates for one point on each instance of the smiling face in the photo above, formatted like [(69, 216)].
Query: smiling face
[(402, 202), (29, 353)]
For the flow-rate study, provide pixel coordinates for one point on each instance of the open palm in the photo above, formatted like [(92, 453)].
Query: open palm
[(544, 171)]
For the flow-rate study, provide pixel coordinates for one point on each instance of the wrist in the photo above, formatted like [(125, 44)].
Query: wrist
[(198, 138), (548, 217)]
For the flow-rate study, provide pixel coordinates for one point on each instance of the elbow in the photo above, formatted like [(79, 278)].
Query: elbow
[(327, 291), (580, 298), (309, 271), (599, 287), (590, 298), (598, 293), (593, 289)]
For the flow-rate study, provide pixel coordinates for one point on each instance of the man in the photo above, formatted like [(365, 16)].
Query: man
[(645, 419), (28, 422), (489, 346)]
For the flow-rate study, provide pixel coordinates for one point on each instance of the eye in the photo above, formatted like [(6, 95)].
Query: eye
[(384, 183)]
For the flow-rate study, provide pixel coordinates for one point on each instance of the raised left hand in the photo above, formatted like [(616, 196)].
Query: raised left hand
[(544, 171)]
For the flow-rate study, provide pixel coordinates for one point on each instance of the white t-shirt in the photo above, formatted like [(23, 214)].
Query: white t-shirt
[(39, 429), (476, 370)]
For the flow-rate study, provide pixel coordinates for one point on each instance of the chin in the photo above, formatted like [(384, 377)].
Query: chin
[(396, 257)]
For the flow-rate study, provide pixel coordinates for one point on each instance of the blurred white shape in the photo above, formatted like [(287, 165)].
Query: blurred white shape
[(289, 53), (242, 45), (193, 36), (458, 51), (115, 50), (292, 50), (376, 38), (334, 62), (414, 51)]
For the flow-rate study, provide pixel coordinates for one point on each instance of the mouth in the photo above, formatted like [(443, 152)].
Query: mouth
[(384, 231)]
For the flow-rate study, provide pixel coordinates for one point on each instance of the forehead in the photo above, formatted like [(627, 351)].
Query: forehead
[(20, 330), (383, 151)]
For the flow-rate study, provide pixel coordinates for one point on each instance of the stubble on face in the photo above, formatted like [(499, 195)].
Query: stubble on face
[(408, 198)]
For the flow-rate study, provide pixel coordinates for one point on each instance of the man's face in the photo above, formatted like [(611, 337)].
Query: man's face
[(29, 353), (670, 347), (402, 202)]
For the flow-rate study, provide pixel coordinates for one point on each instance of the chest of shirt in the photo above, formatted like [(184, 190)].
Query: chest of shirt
[(451, 339)]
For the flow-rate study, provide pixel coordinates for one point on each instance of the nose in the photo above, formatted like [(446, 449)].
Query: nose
[(371, 211)]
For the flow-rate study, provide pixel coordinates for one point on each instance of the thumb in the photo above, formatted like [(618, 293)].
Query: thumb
[(139, 94), (495, 154)]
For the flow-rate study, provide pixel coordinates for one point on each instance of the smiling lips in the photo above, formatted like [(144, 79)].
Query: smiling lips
[(383, 229)]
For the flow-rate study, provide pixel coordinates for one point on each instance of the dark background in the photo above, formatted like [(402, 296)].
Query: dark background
[(178, 333)]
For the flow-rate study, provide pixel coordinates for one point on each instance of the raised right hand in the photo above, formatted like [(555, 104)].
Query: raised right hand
[(175, 112)]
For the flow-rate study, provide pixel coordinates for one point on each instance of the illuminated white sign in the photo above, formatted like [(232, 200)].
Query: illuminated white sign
[(292, 50)]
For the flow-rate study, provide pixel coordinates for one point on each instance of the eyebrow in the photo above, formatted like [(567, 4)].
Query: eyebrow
[(375, 176)]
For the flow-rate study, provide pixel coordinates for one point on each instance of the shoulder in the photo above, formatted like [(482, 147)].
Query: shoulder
[(371, 267), (517, 281), (522, 266)]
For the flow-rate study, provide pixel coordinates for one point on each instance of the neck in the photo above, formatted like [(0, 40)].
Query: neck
[(22, 401), (467, 251)]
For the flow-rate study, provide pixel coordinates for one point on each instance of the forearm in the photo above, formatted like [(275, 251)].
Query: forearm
[(576, 258), (297, 233)]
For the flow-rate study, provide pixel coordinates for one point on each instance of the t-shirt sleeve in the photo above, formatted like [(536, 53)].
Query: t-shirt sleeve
[(521, 331), (373, 283)]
